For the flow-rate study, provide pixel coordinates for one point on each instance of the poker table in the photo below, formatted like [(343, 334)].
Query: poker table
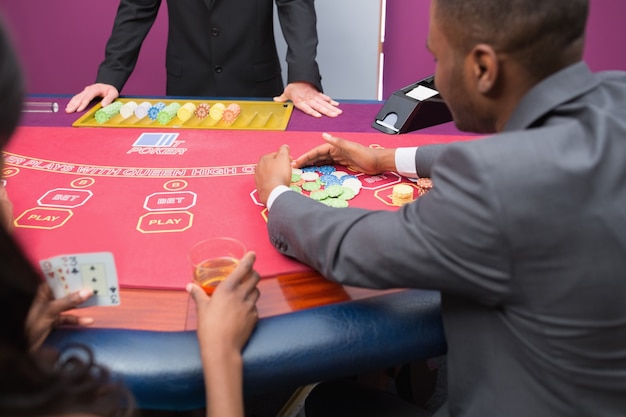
[(98, 189)]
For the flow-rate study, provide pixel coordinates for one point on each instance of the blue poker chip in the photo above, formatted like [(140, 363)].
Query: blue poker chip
[(329, 179), (326, 169), (153, 112), (309, 169), (345, 177)]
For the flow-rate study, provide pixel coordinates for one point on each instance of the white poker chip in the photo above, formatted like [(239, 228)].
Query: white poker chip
[(296, 171), (128, 109), (310, 176), (353, 183), (340, 174)]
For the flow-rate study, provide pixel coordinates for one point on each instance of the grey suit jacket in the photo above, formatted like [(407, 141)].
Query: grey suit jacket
[(524, 234), (217, 48)]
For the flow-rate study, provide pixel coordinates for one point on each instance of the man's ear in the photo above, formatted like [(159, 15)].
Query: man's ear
[(485, 67)]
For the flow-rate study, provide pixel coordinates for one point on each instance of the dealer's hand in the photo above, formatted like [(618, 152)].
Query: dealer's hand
[(45, 313), (81, 100), (306, 98), (273, 169), (349, 154)]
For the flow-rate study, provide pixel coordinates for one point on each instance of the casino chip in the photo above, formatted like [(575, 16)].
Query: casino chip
[(311, 185), (186, 111), (141, 110), (231, 113), (310, 175), (128, 109), (168, 113), (202, 111), (153, 112), (104, 114), (217, 111), (325, 184), (401, 194), (424, 185)]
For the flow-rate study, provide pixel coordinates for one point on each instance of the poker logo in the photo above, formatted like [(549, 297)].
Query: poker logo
[(152, 143)]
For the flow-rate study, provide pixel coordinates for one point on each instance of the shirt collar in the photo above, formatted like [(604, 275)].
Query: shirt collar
[(551, 92)]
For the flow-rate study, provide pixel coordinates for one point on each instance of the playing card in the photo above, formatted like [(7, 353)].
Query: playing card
[(69, 273)]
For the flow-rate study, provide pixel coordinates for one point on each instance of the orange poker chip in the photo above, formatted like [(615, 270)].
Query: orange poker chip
[(202, 110), (424, 185), (231, 113)]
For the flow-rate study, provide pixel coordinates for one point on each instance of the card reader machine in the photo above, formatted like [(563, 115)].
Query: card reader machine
[(413, 107)]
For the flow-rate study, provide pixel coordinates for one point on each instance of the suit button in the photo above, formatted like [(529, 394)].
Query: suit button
[(215, 31), (218, 68)]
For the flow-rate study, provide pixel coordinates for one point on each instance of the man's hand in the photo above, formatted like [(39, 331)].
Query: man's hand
[(227, 318), (306, 98), (273, 169), (349, 154), (45, 313), (81, 100)]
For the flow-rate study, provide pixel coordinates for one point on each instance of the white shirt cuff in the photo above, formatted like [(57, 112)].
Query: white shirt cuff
[(274, 194), (405, 162)]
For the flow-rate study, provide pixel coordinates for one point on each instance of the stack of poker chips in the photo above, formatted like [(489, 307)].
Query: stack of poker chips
[(326, 185), (186, 111), (141, 110), (424, 185), (128, 109), (231, 112), (202, 111), (168, 113), (153, 112), (105, 113), (402, 194), (217, 111)]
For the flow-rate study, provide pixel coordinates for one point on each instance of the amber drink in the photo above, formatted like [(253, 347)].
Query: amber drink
[(213, 260), (213, 271)]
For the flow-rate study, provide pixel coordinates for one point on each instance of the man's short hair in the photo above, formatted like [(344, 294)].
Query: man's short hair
[(539, 33)]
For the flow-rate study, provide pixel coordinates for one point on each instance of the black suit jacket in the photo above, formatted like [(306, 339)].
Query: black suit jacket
[(217, 48)]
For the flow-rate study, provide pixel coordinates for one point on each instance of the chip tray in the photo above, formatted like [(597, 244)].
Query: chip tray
[(255, 115)]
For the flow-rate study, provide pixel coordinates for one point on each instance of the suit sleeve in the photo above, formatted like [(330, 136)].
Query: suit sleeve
[(425, 157), (132, 23), (298, 22), (447, 240)]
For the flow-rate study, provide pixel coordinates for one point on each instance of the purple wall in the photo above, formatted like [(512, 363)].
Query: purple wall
[(62, 43), (407, 60)]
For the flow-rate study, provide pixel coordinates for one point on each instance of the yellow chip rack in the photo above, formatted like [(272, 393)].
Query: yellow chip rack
[(255, 115)]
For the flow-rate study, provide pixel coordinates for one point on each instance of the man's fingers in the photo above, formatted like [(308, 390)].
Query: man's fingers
[(307, 108), (281, 98), (283, 151)]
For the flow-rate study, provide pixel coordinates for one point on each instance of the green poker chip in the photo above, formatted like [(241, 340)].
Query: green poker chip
[(347, 193), (334, 190), (311, 186), (319, 195), (335, 202)]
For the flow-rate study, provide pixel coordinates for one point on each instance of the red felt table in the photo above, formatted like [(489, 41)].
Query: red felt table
[(78, 190), (92, 190)]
